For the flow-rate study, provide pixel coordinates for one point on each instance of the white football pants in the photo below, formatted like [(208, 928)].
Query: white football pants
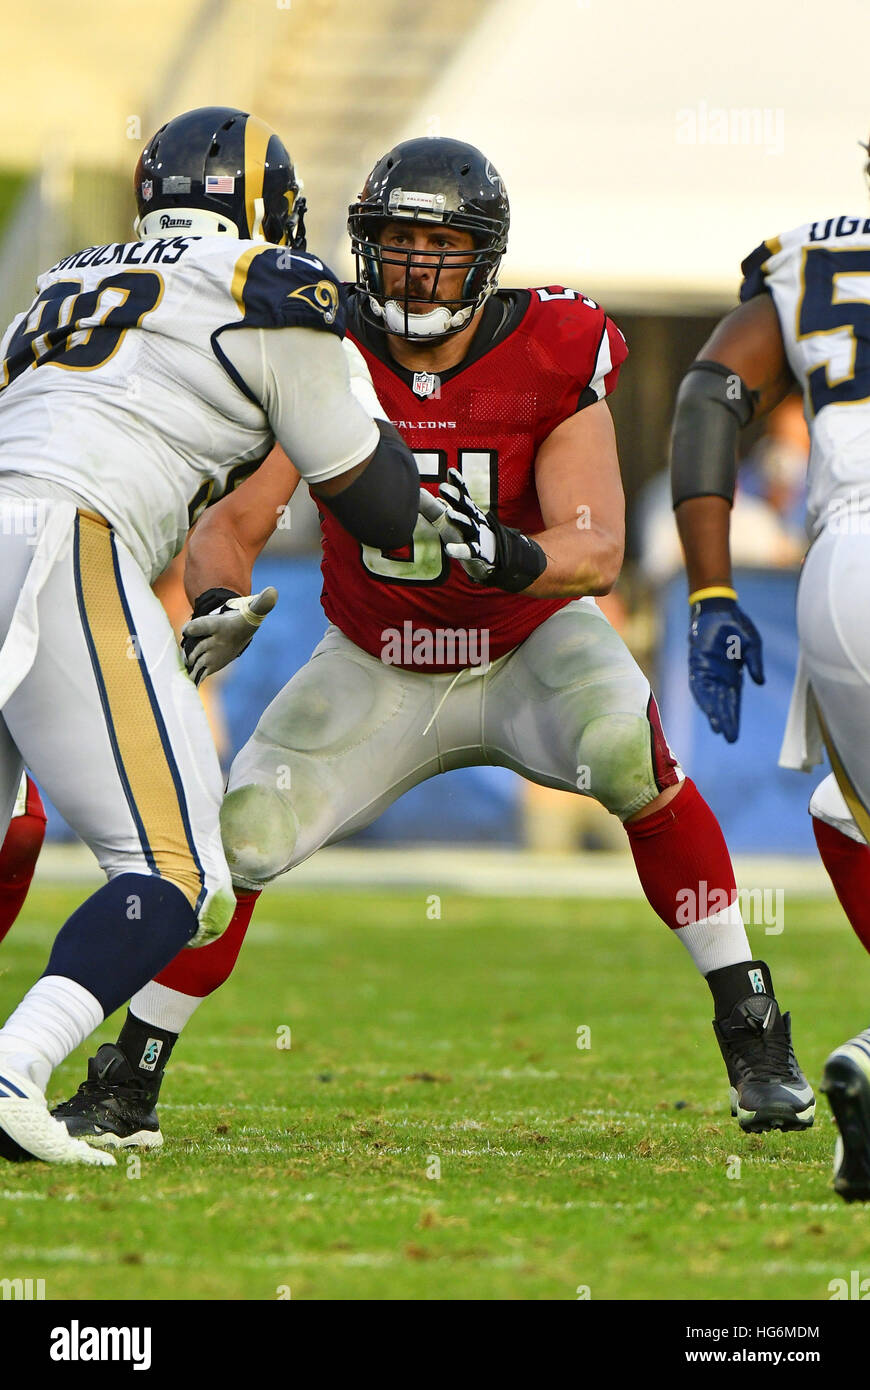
[(569, 708), (96, 702)]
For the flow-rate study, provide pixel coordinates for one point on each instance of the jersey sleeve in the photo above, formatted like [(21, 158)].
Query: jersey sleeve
[(302, 380), (587, 351), (361, 383), (754, 270), (278, 288)]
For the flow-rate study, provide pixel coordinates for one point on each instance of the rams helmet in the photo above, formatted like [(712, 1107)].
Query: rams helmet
[(218, 171), (430, 180)]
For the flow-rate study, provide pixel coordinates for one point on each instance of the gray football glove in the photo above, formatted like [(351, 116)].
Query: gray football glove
[(222, 626)]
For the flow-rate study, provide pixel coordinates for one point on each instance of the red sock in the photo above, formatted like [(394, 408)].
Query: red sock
[(18, 857), (680, 848), (203, 970), (848, 865)]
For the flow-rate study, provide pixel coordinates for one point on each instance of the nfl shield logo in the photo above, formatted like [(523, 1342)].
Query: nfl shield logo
[(425, 383), (147, 190)]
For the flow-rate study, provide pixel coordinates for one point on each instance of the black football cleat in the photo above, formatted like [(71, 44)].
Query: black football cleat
[(846, 1083), (113, 1109), (768, 1088)]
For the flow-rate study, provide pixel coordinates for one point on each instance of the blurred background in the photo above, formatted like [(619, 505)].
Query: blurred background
[(646, 150)]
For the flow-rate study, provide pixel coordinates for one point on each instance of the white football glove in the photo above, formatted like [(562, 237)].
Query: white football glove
[(489, 552), (438, 513), (215, 636)]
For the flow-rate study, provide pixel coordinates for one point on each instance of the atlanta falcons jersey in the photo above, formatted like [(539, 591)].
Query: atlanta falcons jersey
[(819, 278), (116, 384), (538, 356)]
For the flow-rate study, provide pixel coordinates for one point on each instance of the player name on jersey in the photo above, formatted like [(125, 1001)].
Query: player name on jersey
[(154, 252)]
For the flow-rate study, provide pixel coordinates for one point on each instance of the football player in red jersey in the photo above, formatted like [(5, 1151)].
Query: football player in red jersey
[(489, 648)]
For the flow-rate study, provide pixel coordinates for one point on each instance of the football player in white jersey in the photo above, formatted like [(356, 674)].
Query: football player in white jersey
[(804, 319), (143, 382)]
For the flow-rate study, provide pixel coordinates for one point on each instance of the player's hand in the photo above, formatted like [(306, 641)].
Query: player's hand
[(488, 551), (722, 640), (437, 513), (222, 626)]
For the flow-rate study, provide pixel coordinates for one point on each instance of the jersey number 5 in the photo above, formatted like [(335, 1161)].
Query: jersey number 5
[(80, 330), (426, 562), (835, 305)]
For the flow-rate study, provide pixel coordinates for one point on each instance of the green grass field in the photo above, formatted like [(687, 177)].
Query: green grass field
[(420, 1045)]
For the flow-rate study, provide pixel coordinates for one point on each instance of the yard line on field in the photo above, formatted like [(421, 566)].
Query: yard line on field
[(404, 1121), (477, 870), (74, 1254), (505, 1117)]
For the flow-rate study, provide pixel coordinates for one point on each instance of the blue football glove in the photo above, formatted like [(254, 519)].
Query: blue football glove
[(722, 640)]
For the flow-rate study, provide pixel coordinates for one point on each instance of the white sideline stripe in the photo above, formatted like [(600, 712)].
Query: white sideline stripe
[(74, 1254), (394, 1199), (224, 1107), (481, 872)]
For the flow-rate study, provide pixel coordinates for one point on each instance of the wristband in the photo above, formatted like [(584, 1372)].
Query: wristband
[(210, 599), (714, 591), (519, 560)]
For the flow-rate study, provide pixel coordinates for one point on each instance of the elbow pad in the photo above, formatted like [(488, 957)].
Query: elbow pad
[(380, 507), (713, 405)]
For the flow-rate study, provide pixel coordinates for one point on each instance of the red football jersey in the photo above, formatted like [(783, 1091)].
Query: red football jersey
[(538, 357)]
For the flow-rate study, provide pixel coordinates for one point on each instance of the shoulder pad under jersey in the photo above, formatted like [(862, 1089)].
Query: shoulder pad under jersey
[(582, 340)]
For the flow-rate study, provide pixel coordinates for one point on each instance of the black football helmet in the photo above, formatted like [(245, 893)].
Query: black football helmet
[(218, 171), (430, 180)]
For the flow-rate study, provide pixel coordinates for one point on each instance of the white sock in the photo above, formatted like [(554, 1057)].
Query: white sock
[(52, 1019), (716, 941), (162, 1007)]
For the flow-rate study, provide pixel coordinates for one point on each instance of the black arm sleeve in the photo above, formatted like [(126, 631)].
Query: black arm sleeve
[(713, 404), (379, 507)]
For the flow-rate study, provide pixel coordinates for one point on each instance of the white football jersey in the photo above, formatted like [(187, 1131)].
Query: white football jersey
[(115, 386), (819, 278)]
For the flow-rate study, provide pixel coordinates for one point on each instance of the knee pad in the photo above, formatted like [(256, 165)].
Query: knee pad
[(259, 833), (614, 759)]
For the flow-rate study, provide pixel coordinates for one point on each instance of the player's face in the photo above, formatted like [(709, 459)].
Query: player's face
[(414, 264)]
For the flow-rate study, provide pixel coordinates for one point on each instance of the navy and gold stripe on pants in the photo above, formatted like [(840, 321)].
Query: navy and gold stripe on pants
[(134, 722)]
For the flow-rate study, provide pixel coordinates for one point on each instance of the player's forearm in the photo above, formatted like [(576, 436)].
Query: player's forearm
[(217, 559), (578, 561), (704, 525)]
